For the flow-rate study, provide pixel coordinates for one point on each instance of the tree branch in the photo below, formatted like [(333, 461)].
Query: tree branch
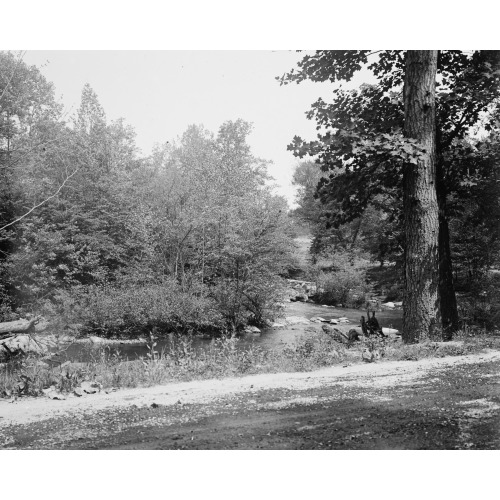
[(458, 127), (41, 203)]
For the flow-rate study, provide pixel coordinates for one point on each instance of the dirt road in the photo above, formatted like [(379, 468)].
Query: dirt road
[(446, 403)]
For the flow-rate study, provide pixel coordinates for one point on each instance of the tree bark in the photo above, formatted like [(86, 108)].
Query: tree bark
[(447, 297), (420, 206)]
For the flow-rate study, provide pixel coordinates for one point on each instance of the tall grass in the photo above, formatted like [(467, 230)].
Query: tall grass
[(183, 361), (222, 358)]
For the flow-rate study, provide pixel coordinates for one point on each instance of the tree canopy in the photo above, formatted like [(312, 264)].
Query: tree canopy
[(90, 225)]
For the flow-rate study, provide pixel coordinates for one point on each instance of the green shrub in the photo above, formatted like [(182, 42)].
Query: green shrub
[(341, 279), (253, 301), (312, 350), (427, 349), (481, 305), (133, 311), (124, 309), (346, 287)]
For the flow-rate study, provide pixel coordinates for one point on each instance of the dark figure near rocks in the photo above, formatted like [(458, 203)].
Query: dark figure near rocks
[(364, 326), (372, 325), (353, 336)]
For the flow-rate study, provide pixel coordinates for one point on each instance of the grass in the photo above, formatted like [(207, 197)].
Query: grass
[(222, 358), (106, 368)]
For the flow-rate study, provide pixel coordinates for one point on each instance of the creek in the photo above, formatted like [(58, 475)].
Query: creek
[(269, 339)]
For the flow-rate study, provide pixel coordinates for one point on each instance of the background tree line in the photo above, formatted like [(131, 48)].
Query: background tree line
[(93, 232)]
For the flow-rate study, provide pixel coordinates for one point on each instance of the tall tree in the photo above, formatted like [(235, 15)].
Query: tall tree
[(216, 225), (361, 134), (28, 112), (420, 205)]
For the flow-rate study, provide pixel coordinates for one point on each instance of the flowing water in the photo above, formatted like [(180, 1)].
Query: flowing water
[(270, 338)]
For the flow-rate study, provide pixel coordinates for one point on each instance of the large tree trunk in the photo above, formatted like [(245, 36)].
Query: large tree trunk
[(447, 298), (420, 206)]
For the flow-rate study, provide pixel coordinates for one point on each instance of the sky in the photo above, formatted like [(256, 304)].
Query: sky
[(161, 93)]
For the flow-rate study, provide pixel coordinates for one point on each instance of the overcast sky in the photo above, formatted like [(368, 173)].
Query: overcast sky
[(161, 93)]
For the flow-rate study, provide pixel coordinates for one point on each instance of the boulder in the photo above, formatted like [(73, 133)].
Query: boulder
[(90, 387), (251, 330), (53, 393), (300, 298), (318, 319), (370, 356), (297, 320), (21, 344), (388, 305), (278, 325), (390, 332)]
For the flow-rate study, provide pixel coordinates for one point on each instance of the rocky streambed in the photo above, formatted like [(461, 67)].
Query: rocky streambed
[(299, 317)]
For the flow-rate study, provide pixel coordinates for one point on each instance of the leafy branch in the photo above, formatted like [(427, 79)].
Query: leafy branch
[(41, 203)]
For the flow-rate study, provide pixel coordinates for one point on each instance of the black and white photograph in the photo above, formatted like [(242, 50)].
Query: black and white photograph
[(250, 248)]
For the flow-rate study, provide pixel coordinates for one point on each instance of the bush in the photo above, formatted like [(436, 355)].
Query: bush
[(125, 309), (394, 293), (312, 350), (341, 279), (133, 311), (480, 306), (254, 301)]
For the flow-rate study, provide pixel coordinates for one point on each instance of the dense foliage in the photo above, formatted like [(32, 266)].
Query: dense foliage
[(190, 238), (360, 153)]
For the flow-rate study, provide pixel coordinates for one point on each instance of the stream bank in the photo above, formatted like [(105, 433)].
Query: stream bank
[(296, 321)]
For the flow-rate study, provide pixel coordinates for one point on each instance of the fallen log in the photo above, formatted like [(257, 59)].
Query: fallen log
[(335, 333), (19, 326)]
